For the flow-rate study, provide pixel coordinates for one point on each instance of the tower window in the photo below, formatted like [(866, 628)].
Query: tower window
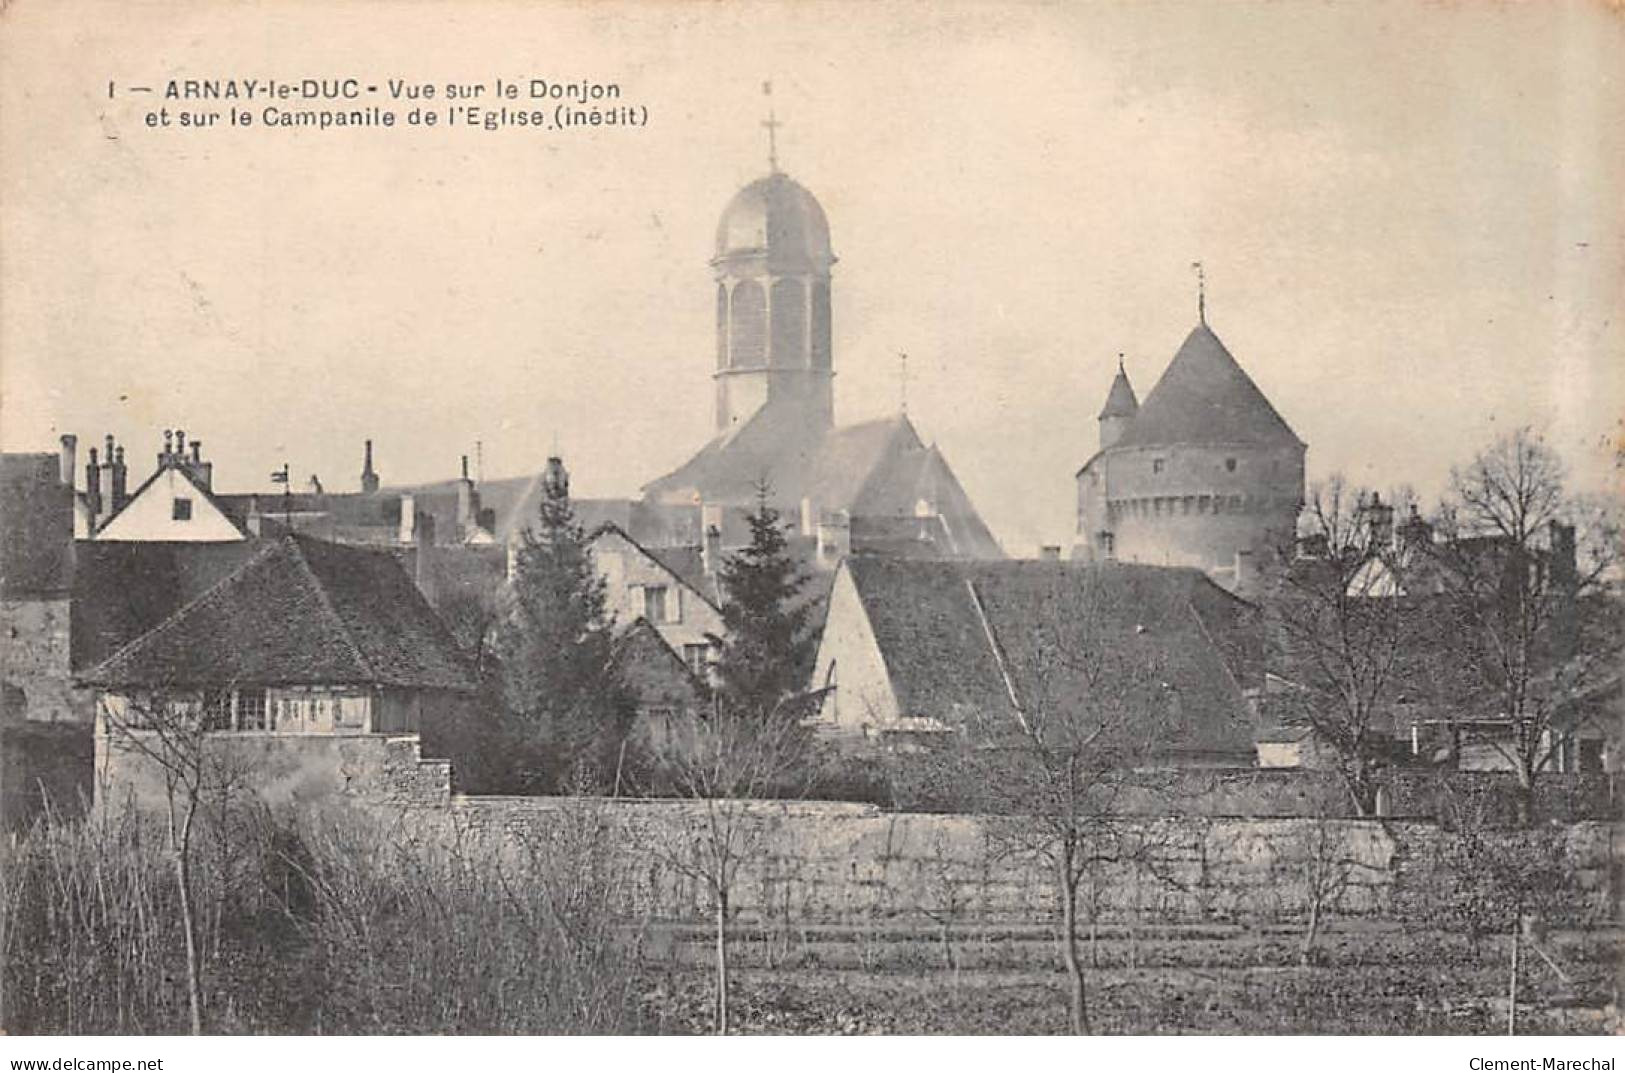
[(1156, 465), (747, 326), (181, 509), (722, 326), (820, 326), (1230, 465), (789, 319)]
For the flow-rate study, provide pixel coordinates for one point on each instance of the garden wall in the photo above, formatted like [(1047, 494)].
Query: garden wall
[(815, 861)]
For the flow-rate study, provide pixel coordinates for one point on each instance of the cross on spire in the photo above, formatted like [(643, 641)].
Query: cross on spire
[(772, 124), (902, 376), (1201, 292)]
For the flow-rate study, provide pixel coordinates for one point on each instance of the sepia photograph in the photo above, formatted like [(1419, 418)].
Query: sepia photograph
[(804, 519)]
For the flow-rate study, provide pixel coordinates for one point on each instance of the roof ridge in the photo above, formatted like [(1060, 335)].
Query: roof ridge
[(207, 495), (605, 526), (175, 616), (296, 542), (624, 638)]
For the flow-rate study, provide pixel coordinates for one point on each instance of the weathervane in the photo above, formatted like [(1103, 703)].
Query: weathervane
[(1201, 292), (772, 124)]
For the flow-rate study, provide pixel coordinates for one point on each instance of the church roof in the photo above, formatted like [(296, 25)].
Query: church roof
[(873, 469), (1120, 400), (1205, 397), (776, 216), (303, 612)]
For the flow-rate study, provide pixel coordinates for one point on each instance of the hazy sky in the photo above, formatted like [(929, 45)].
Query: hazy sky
[(1412, 217)]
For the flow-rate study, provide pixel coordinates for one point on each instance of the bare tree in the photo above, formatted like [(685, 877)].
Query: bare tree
[(1339, 626), (171, 730), (1529, 626), (724, 762), (1087, 707)]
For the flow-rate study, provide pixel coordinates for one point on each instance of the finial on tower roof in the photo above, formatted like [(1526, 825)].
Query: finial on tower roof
[(772, 124), (902, 377), (1201, 292), (1119, 361)]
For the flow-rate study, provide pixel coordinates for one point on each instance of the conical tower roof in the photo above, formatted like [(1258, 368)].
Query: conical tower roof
[(1205, 397), (1120, 400)]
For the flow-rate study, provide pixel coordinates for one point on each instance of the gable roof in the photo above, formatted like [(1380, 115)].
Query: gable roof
[(872, 469), (298, 611), (684, 564), (1205, 397), (203, 493), (654, 670), (960, 638)]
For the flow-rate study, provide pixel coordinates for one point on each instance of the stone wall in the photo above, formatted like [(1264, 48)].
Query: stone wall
[(819, 862), (34, 663), (373, 770)]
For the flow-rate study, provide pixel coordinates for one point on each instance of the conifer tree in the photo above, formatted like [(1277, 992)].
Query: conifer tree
[(567, 709), (767, 648)]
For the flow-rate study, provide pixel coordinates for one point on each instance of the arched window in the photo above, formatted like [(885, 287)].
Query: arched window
[(789, 323), (722, 326), (820, 326), (747, 326)]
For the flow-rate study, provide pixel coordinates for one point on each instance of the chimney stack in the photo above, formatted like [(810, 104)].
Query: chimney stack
[(369, 479), (70, 458), (163, 457), (180, 446), (809, 517), (93, 489), (1414, 533), (1380, 522), (105, 482), (120, 478), (1565, 570), (409, 519), (711, 551), (465, 502)]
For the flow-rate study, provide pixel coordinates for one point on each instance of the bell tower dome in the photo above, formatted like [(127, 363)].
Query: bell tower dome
[(772, 270)]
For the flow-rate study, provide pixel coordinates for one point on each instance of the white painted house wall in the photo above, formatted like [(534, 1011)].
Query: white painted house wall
[(150, 514), (629, 573), (849, 659)]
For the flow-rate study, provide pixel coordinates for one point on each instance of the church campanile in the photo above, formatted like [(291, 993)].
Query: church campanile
[(772, 269)]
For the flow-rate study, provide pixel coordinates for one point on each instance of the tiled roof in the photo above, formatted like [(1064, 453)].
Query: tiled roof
[(122, 589), (299, 611), (653, 669), (771, 447), (1205, 397), (933, 621), (873, 469), (36, 526)]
